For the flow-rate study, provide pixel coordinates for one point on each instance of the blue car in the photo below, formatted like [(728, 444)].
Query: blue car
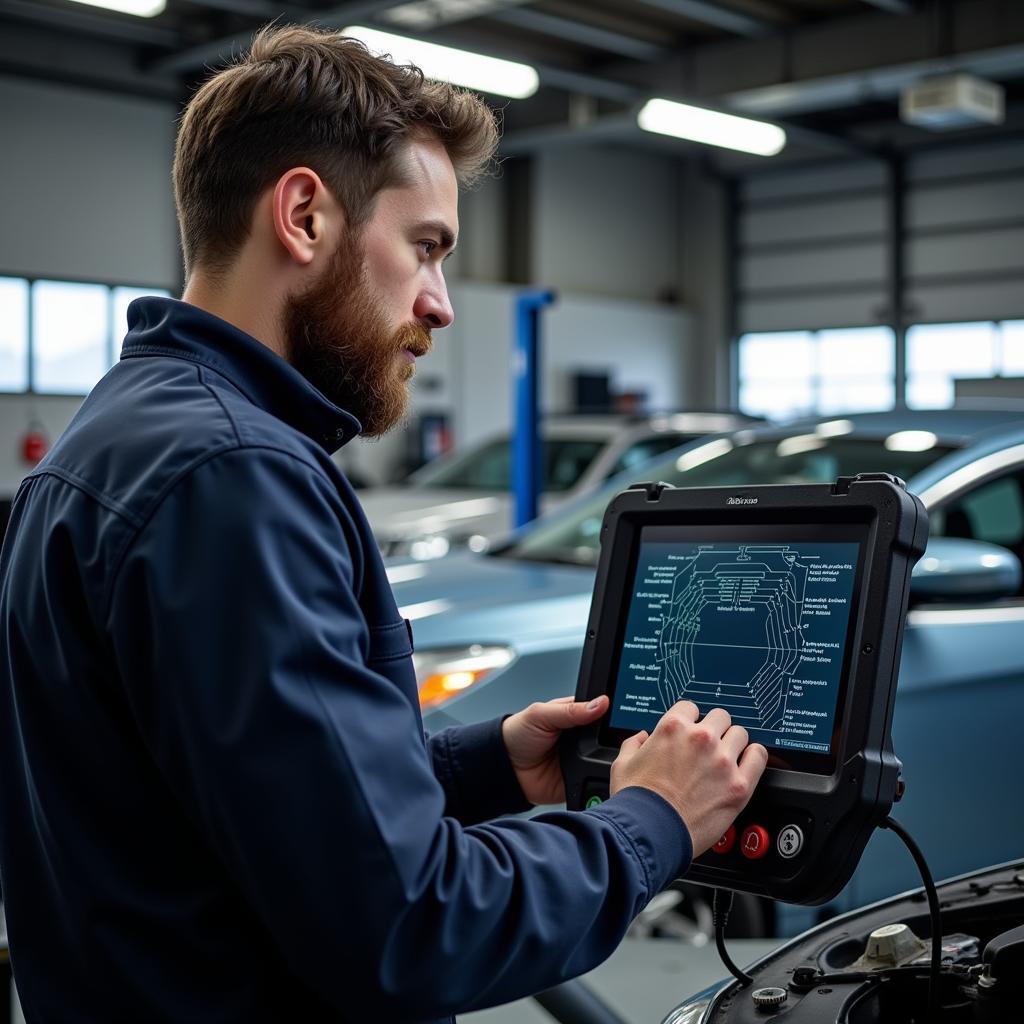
[(496, 631)]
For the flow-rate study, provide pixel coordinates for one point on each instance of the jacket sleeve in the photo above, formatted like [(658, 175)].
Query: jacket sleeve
[(247, 662), (471, 762)]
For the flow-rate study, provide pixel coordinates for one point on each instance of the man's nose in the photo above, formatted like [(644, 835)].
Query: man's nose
[(433, 308)]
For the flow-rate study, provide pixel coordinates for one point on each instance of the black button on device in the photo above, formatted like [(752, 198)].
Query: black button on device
[(790, 841)]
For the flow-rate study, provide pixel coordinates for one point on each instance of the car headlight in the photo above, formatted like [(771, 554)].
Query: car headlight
[(444, 673)]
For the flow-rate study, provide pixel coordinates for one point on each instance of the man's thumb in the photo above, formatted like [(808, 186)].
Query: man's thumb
[(588, 712)]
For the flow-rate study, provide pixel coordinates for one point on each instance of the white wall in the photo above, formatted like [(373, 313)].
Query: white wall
[(643, 345)]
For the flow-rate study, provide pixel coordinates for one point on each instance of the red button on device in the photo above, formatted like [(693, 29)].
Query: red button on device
[(727, 842), (755, 842)]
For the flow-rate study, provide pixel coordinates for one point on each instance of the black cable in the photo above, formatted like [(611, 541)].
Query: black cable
[(721, 904), (933, 907)]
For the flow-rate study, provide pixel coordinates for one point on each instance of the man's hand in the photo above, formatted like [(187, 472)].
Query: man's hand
[(531, 738), (704, 769)]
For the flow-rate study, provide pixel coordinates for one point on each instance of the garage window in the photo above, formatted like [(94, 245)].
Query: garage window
[(69, 336), (938, 354), (60, 337), (13, 334), (797, 373)]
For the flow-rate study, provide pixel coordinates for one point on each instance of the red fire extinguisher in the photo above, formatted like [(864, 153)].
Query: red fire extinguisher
[(34, 445)]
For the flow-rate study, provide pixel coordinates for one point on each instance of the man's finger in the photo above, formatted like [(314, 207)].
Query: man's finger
[(735, 740), (718, 721), (753, 761), (568, 712), (686, 708), (634, 743)]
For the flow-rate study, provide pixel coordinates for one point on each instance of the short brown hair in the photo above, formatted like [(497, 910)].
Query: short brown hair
[(306, 97)]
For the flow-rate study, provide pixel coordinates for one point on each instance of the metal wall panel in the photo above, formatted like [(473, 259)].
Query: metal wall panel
[(853, 309), (811, 247), (814, 219), (973, 252), (842, 266)]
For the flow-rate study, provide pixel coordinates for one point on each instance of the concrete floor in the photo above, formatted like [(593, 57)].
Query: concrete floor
[(642, 981)]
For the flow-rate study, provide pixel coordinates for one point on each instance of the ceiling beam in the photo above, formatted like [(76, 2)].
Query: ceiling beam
[(715, 15), (893, 6), (220, 50), (624, 128), (101, 25), (579, 32)]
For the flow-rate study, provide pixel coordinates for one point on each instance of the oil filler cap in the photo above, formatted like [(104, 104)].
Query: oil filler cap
[(768, 998)]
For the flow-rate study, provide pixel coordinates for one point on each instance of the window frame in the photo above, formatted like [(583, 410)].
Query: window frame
[(110, 349), (816, 380)]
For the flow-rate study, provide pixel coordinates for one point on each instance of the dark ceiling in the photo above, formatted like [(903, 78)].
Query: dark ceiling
[(831, 70)]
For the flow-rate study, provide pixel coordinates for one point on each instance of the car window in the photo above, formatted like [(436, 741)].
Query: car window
[(720, 462), (992, 512), (644, 450), (489, 467)]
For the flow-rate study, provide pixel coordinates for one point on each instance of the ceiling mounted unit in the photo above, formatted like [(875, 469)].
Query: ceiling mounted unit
[(953, 101)]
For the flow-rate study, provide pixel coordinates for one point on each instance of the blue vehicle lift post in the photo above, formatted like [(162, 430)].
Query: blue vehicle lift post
[(526, 449)]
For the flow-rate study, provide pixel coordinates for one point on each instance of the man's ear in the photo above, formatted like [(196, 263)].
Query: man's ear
[(304, 214)]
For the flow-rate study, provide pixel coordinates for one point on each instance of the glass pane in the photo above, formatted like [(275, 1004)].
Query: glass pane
[(960, 350), (574, 535), (13, 334), (781, 355), (69, 336), (776, 399), (1013, 348), (857, 352), (993, 512), (865, 395), (120, 299), (566, 461), (929, 391)]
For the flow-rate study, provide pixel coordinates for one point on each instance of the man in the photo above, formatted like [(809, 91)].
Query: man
[(217, 801)]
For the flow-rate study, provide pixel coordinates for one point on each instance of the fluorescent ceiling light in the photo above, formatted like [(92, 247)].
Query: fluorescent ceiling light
[(446, 64), (140, 8), (682, 121)]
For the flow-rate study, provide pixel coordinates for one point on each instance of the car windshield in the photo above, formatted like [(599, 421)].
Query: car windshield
[(722, 462), (489, 468)]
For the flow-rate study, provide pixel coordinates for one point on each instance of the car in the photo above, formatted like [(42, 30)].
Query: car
[(871, 966), (495, 631), (463, 498)]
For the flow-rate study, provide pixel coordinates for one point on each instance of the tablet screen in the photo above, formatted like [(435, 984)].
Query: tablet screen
[(756, 625)]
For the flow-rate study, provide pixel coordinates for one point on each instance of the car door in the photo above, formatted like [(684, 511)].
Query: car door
[(959, 714)]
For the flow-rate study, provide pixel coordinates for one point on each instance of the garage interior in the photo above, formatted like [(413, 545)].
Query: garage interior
[(874, 264)]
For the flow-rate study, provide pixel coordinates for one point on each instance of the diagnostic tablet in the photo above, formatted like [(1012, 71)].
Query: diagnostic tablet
[(784, 605)]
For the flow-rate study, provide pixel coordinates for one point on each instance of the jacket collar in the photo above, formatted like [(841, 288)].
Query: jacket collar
[(167, 327)]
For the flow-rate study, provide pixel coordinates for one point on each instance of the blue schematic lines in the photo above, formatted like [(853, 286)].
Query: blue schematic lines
[(732, 633)]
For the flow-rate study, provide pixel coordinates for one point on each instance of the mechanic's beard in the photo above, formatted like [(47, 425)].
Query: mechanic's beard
[(339, 340)]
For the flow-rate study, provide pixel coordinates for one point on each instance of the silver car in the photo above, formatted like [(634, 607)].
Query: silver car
[(463, 499)]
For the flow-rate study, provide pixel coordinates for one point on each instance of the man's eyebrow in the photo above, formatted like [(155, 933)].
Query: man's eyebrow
[(435, 227)]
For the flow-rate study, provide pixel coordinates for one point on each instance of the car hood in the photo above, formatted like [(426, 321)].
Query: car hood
[(467, 598), (396, 512)]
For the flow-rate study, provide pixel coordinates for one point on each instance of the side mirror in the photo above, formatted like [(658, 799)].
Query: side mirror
[(954, 569)]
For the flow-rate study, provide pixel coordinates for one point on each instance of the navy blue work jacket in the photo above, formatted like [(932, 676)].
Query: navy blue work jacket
[(216, 800)]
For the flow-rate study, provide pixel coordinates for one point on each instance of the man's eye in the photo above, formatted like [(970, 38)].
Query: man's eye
[(427, 246)]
